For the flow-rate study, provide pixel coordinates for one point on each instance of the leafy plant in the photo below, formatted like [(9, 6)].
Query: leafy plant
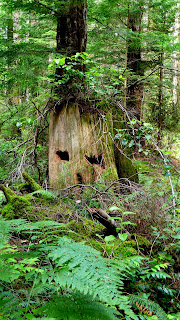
[(122, 236)]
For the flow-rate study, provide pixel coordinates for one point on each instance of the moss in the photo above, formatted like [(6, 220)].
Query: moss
[(20, 202), (23, 187), (7, 192), (15, 207), (8, 211), (143, 242), (125, 167), (115, 248), (98, 245), (28, 197), (85, 227), (127, 251), (31, 183)]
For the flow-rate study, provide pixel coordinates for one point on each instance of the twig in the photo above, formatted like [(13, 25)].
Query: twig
[(26, 141), (153, 244), (48, 8)]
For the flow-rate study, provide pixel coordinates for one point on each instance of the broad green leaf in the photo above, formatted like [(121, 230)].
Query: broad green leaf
[(109, 238), (123, 236)]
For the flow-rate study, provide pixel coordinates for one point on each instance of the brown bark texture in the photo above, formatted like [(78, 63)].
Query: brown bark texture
[(134, 93), (79, 150)]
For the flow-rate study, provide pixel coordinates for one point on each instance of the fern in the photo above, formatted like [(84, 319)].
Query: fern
[(156, 275), (47, 195), (6, 227), (64, 280), (75, 307), (81, 268), (151, 306)]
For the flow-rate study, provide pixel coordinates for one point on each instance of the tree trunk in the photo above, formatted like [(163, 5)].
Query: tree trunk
[(134, 91), (72, 29), (176, 60), (79, 150), (160, 97)]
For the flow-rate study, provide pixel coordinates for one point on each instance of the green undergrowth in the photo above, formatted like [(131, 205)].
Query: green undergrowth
[(62, 278), (59, 264), (48, 275)]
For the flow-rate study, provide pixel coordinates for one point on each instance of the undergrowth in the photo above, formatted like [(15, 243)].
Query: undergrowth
[(45, 276)]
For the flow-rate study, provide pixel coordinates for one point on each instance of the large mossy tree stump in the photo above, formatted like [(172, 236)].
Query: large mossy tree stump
[(81, 148)]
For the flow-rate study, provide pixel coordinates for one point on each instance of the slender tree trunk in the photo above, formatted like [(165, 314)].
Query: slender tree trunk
[(160, 97), (176, 60), (134, 93)]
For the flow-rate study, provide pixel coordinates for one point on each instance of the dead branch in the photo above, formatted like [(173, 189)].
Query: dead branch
[(104, 219)]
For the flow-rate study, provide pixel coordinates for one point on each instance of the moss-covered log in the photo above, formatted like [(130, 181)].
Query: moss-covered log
[(30, 185)]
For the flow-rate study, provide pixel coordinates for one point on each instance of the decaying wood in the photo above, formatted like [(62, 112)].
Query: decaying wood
[(104, 219)]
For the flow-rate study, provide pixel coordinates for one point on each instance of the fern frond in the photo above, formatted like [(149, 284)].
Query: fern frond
[(6, 227), (156, 275), (76, 307), (149, 305), (48, 195), (82, 269)]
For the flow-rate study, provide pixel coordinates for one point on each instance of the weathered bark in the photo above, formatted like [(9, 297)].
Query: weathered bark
[(72, 29), (104, 219), (134, 91), (79, 151)]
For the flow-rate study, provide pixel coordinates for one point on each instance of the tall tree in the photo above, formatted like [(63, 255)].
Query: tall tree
[(134, 91), (79, 152), (175, 59)]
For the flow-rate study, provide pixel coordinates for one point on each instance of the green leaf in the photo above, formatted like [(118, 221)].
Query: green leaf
[(176, 236), (123, 236), (113, 208), (109, 238), (61, 62), (124, 142), (131, 143)]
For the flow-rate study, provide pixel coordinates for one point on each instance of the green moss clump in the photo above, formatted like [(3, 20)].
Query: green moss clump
[(85, 227), (30, 183), (15, 207), (127, 251), (8, 211), (23, 187), (98, 245), (143, 242), (115, 248), (7, 192)]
